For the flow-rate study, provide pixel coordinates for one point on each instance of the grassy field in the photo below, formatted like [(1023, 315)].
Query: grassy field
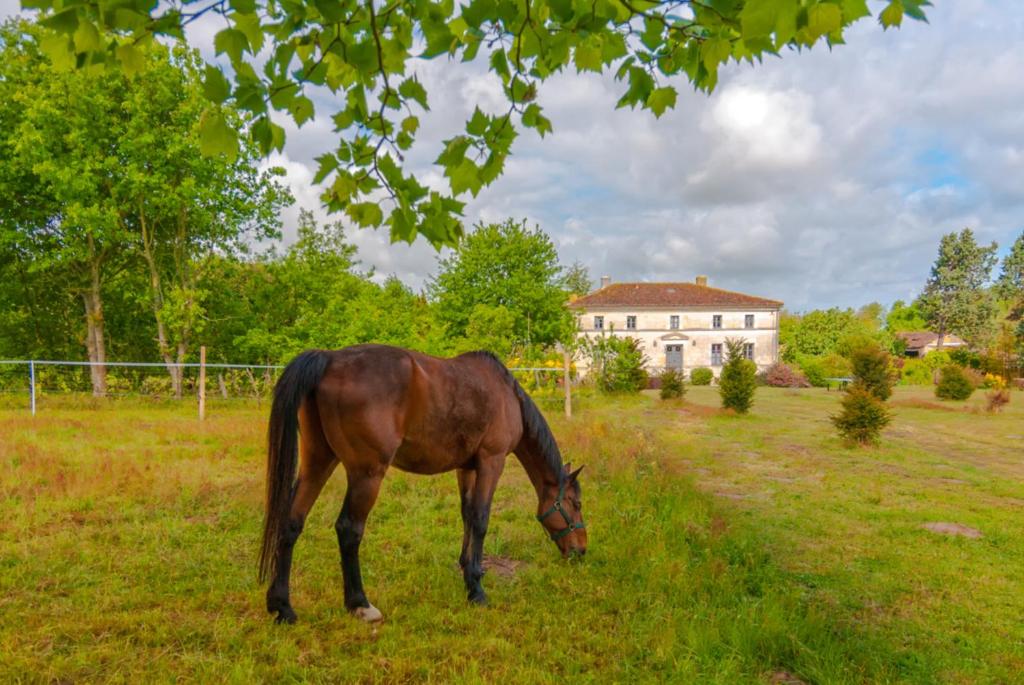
[(722, 549)]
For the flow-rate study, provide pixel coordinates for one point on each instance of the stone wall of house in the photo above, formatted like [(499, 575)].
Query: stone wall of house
[(695, 333)]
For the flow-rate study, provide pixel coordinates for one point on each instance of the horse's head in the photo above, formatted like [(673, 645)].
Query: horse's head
[(561, 514)]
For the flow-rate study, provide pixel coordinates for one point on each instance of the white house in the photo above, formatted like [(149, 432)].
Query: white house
[(682, 325)]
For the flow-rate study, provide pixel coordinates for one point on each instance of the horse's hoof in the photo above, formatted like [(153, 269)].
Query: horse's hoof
[(478, 599), (369, 614), (285, 616)]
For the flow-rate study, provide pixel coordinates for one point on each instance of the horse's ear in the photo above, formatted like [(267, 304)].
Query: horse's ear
[(574, 474), (567, 467)]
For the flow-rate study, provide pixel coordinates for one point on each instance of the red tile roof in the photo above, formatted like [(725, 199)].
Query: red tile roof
[(668, 295), (917, 340)]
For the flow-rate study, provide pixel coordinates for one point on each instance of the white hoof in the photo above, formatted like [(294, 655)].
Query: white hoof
[(370, 614)]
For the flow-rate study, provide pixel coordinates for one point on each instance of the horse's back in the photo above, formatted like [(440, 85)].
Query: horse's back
[(426, 413)]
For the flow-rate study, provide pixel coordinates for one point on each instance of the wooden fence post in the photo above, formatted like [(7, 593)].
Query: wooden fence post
[(202, 383), (32, 384)]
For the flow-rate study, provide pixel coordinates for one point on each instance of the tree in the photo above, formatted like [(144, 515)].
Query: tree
[(361, 52), (62, 128), (872, 316), (577, 280), (504, 265), (1010, 285), (489, 328), (178, 204), (903, 318), (117, 158), (738, 379), (954, 298)]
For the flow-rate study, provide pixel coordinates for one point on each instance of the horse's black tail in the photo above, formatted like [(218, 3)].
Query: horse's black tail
[(298, 379)]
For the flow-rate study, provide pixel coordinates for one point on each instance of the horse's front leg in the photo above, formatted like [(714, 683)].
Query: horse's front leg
[(481, 493), (359, 500)]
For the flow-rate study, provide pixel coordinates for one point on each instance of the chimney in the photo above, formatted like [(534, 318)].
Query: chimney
[(606, 281), (702, 281)]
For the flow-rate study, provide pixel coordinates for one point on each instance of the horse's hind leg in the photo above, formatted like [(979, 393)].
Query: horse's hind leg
[(359, 500), (316, 463)]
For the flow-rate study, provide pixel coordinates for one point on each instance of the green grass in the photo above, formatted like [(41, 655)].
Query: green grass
[(722, 549)]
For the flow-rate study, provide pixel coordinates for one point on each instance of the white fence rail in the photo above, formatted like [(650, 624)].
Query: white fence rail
[(34, 389)]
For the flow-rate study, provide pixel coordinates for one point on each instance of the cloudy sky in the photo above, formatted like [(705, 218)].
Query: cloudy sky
[(819, 178)]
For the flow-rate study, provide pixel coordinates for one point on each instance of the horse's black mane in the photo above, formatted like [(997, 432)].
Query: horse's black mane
[(535, 426)]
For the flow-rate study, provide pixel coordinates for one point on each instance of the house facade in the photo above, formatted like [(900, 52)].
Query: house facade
[(681, 325)]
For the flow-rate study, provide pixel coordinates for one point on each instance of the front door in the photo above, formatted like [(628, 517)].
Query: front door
[(674, 357)]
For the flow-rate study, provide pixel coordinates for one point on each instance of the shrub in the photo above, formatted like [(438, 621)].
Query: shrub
[(702, 375), (953, 384), (997, 399), (619, 363), (672, 384), (936, 360), (871, 370), (994, 381), (915, 372), (862, 417), (819, 368), (738, 379), (781, 375)]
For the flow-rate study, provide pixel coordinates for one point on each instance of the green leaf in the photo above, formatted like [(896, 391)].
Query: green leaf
[(216, 137), (533, 118), (412, 89), (499, 64), (715, 51), (301, 109), (823, 18), (331, 10), (661, 99), (477, 123), (410, 124), (230, 41), (215, 86), (892, 15), (327, 163), (57, 47), (132, 60), (268, 135), (758, 19), (65, 21), (365, 214), (854, 10), (249, 24), (87, 38), (587, 57)]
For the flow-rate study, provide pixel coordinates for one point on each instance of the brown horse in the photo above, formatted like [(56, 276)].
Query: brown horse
[(370, 407)]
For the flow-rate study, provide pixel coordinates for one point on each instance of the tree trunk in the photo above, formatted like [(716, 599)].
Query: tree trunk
[(156, 284), (94, 339)]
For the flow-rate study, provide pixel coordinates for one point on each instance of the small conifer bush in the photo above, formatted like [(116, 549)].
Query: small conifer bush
[(954, 384), (862, 417), (872, 370), (672, 384), (702, 375), (738, 379)]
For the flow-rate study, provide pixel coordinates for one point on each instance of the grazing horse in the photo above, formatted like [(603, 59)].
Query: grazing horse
[(370, 407)]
